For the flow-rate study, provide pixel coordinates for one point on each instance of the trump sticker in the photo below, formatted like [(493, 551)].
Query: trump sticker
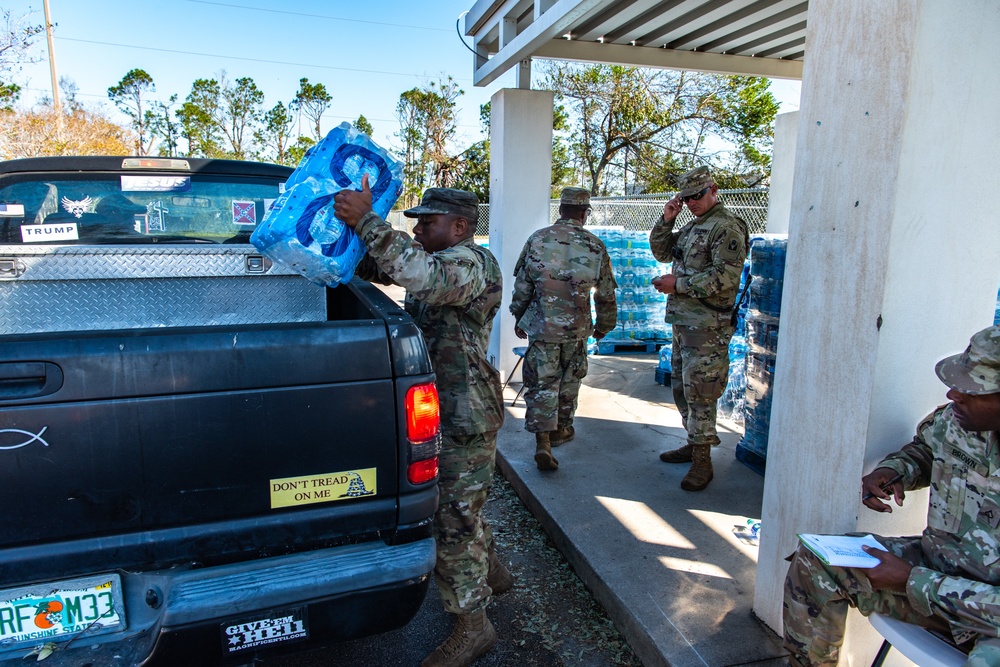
[(63, 231)]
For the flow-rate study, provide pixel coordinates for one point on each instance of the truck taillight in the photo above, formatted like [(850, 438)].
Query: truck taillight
[(423, 412), (422, 471), (423, 426)]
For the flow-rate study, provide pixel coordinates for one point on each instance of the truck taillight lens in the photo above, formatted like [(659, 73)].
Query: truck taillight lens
[(423, 413), (422, 471)]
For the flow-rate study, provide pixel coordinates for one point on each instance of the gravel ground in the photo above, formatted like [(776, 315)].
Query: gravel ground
[(549, 619)]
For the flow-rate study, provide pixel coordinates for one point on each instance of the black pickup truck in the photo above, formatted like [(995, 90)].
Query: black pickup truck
[(204, 458)]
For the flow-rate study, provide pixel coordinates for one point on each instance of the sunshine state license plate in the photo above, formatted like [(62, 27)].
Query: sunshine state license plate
[(58, 610)]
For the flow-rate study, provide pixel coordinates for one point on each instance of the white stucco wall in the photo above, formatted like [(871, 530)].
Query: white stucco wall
[(520, 178), (893, 259), (779, 201)]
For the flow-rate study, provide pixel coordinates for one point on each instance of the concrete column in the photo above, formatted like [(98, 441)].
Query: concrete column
[(520, 177), (779, 200), (893, 260)]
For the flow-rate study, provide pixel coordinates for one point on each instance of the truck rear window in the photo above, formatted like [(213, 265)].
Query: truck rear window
[(125, 208)]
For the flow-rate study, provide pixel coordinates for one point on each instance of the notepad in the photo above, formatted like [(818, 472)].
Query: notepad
[(842, 550)]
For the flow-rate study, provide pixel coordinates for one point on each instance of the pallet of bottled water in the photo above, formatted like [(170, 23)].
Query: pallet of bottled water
[(767, 268), (641, 324)]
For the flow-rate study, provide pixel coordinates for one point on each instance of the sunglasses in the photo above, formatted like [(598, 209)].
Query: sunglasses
[(696, 196)]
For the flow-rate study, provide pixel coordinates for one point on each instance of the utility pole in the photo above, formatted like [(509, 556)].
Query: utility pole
[(52, 68)]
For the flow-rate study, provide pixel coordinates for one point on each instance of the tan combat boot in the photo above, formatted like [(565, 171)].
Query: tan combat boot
[(499, 578), (472, 637), (543, 452), (681, 455), (562, 435), (700, 473)]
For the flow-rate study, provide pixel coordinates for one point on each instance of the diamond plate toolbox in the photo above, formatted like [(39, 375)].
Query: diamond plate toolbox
[(88, 288)]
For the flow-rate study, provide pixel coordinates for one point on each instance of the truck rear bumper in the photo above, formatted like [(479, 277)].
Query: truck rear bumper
[(181, 616)]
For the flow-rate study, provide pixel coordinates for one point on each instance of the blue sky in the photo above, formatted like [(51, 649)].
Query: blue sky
[(365, 53)]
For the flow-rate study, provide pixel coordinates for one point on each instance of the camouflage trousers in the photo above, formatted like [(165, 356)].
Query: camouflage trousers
[(552, 375), (462, 535), (699, 373), (817, 597)]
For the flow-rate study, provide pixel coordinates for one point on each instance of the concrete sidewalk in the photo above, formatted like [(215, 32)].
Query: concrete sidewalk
[(674, 569)]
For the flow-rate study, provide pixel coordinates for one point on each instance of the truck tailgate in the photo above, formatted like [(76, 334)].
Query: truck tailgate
[(143, 427)]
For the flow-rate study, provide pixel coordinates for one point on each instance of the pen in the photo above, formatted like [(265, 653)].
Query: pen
[(897, 478)]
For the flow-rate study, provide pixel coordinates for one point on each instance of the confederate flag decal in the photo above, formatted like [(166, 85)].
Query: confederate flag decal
[(244, 212)]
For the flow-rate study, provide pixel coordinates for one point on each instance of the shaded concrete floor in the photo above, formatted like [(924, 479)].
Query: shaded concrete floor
[(674, 569)]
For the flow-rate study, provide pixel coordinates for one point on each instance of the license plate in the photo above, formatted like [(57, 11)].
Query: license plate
[(61, 609)]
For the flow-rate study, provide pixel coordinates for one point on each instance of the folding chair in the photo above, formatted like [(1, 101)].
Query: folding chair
[(520, 352), (918, 644)]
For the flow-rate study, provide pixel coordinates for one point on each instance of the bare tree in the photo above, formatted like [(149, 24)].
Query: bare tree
[(17, 39)]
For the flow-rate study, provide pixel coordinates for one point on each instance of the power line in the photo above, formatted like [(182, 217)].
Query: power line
[(253, 60), (316, 16)]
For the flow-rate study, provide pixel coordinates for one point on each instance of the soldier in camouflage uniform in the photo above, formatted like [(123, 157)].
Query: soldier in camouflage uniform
[(453, 291), (553, 278), (947, 579), (707, 257)]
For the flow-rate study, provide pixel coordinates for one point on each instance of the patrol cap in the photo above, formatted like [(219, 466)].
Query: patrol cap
[(575, 197), (695, 181), (446, 200), (977, 370)]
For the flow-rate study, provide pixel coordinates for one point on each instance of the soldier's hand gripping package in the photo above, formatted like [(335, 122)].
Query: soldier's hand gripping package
[(301, 232)]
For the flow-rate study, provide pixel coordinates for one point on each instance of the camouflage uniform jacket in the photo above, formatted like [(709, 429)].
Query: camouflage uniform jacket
[(553, 277), (961, 543), (708, 257), (453, 295)]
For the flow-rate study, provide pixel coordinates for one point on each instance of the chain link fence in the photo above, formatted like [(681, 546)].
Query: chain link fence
[(636, 212), (640, 212)]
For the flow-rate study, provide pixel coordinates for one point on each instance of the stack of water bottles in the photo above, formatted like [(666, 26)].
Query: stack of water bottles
[(300, 230), (767, 266), (640, 306), (731, 403)]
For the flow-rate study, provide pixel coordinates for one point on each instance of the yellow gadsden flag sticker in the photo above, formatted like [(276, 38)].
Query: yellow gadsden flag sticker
[(324, 488)]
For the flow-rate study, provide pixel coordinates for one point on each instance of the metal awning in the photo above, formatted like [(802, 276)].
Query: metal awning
[(749, 37)]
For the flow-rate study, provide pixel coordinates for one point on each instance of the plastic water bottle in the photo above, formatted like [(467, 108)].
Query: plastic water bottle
[(325, 228), (666, 358)]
